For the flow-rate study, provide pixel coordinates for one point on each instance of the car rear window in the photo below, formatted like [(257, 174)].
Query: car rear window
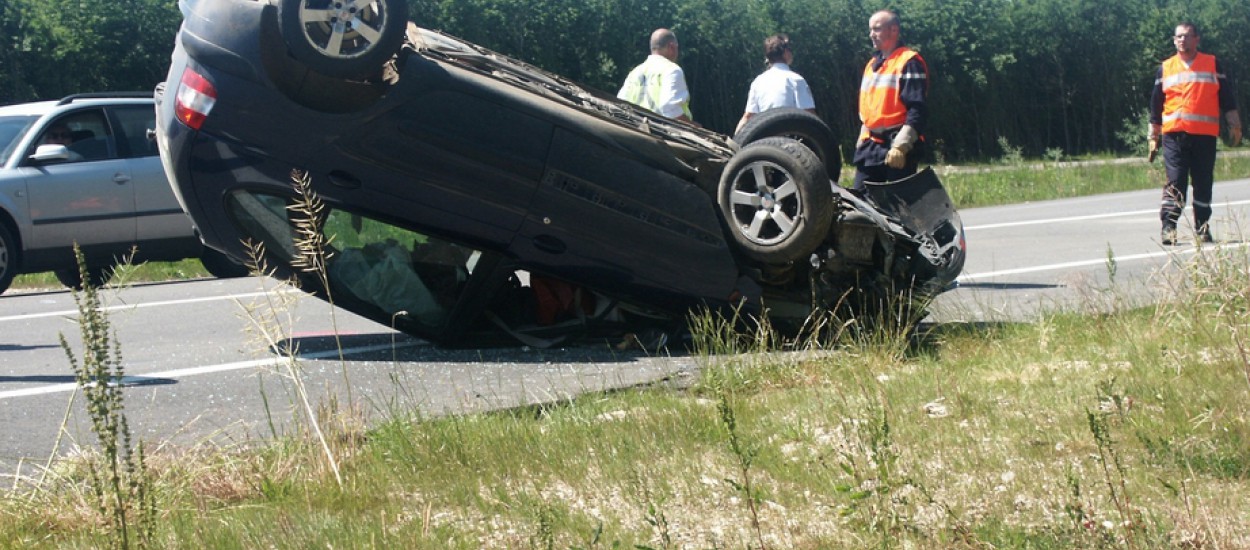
[(395, 270)]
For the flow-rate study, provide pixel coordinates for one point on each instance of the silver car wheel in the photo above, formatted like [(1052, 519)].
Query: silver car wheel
[(766, 202), (776, 201), (350, 39), (343, 29), (8, 258)]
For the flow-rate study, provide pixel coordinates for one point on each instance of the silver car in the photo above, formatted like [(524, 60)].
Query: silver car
[(83, 170)]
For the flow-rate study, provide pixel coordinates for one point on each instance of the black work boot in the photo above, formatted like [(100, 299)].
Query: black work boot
[(1168, 236), (1204, 233)]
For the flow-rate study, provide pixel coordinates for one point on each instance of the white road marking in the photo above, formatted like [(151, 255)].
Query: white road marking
[(1084, 218), (1086, 263), (207, 369), (74, 312)]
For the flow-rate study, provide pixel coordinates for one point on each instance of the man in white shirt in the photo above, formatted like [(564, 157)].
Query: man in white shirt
[(659, 84), (778, 86)]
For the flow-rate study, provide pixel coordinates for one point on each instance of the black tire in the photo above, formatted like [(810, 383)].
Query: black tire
[(97, 276), (776, 200), (796, 124), (221, 266), (8, 258), (310, 27)]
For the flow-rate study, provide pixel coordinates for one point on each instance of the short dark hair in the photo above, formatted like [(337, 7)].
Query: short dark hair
[(775, 48), (891, 18), (1191, 27)]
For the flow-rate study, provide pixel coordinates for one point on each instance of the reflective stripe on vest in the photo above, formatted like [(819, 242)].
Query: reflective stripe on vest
[(645, 84), (880, 108), (1191, 94)]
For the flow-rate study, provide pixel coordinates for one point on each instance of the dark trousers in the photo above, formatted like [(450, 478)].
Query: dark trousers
[(1187, 157), (881, 172)]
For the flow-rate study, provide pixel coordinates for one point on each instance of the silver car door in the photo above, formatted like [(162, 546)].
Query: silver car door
[(157, 213), (87, 199)]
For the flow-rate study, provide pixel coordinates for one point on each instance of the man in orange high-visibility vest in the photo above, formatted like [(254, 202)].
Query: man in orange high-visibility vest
[(1190, 93), (892, 106)]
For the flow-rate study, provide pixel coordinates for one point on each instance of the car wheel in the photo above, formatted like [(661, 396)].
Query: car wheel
[(343, 38), (776, 200), (8, 258), (221, 266), (797, 124), (97, 276)]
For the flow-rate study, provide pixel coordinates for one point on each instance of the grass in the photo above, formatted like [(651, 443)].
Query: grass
[(1012, 180), (144, 272), (1017, 182), (1127, 429)]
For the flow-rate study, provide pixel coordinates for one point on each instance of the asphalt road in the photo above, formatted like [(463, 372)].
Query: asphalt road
[(1078, 254), (197, 372)]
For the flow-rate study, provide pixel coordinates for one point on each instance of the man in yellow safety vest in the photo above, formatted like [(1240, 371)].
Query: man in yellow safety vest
[(659, 84)]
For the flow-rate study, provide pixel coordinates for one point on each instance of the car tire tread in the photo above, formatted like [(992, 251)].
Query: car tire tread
[(815, 203)]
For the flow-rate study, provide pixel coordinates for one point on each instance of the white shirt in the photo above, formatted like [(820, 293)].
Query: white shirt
[(779, 87)]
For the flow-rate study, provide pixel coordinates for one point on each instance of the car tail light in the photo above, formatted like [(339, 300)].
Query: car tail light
[(196, 97)]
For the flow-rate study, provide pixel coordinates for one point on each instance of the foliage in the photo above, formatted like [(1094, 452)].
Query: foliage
[(1043, 74), (53, 48)]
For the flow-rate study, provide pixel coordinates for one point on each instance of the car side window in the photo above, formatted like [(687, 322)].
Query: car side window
[(85, 133), (133, 123)]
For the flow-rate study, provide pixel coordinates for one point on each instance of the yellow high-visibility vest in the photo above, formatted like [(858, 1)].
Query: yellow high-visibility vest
[(645, 84)]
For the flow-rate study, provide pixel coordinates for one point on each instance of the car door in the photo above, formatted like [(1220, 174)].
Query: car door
[(87, 199), (461, 159), (157, 213)]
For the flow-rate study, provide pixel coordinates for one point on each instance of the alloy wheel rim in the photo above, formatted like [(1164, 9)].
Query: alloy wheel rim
[(343, 29), (765, 203)]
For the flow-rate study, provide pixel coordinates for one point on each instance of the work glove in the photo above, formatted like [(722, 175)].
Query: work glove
[(1234, 127), (1154, 136), (863, 139), (896, 157)]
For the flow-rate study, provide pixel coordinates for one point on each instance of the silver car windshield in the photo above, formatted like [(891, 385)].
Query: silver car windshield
[(12, 128)]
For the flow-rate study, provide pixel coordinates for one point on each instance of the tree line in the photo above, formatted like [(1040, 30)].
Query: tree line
[(1046, 76)]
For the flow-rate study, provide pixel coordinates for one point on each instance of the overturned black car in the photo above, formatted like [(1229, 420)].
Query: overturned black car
[(469, 198)]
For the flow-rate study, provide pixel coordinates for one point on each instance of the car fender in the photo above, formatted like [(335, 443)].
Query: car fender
[(921, 205), (14, 204)]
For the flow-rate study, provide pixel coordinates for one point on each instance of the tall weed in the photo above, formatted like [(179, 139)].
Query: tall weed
[(121, 487)]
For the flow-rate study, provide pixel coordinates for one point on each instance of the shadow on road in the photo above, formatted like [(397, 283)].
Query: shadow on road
[(384, 347), (1009, 286), (69, 379), (12, 347)]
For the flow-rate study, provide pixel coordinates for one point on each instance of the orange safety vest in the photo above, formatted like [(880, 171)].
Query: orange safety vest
[(1191, 101), (880, 108)]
